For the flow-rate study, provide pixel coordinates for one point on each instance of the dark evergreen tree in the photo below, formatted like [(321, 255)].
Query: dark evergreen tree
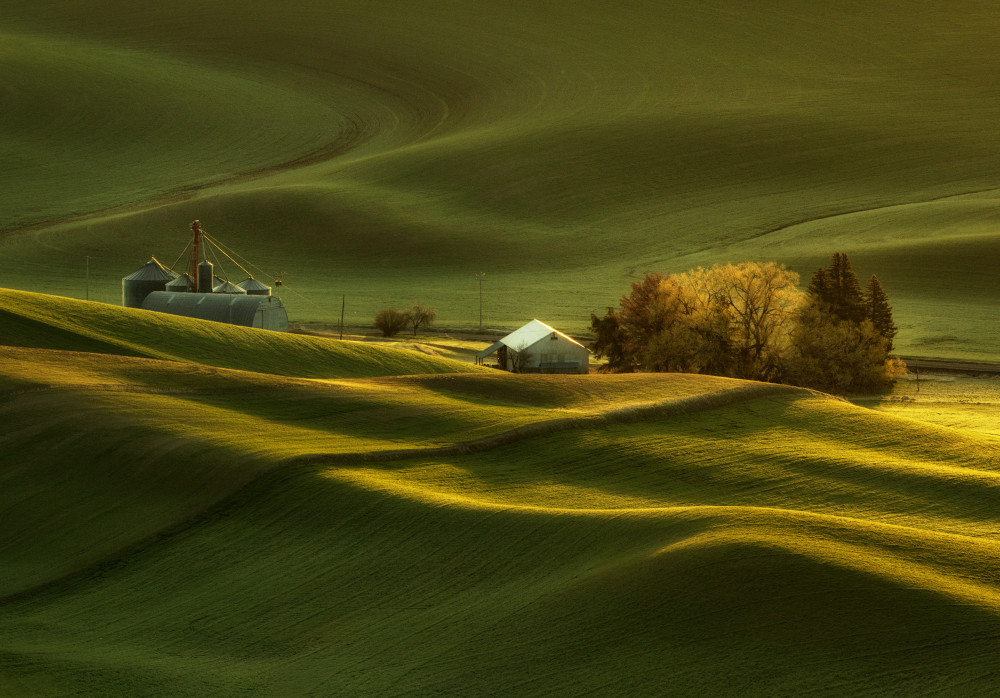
[(844, 290), (844, 336), (879, 311), (819, 288)]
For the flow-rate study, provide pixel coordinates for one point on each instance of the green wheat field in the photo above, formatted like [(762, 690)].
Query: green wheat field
[(196, 509)]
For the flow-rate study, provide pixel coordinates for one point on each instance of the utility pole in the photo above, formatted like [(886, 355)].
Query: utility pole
[(343, 302), (88, 278), (480, 276)]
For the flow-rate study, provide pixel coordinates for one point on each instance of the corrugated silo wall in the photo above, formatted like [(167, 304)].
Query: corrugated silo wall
[(134, 291), (205, 277)]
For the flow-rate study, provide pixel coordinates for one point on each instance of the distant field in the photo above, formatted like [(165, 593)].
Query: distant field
[(176, 529), (387, 153), (959, 401)]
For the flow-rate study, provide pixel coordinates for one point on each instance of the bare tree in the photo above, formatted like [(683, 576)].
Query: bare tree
[(390, 321), (421, 315), (519, 358)]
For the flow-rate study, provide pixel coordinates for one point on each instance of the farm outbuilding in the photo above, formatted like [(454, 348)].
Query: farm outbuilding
[(264, 312), (538, 348)]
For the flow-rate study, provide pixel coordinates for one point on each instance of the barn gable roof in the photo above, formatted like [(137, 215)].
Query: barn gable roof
[(525, 337), (531, 333)]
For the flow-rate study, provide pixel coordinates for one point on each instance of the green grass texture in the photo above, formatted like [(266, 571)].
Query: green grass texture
[(176, 529), (385, 153)]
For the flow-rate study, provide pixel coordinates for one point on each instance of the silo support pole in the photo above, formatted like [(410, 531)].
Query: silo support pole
[(196, 227)]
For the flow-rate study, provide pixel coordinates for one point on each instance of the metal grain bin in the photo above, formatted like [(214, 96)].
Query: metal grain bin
[(254, 287), (182, 284), (205, 277), (151, 276), (226, 287)]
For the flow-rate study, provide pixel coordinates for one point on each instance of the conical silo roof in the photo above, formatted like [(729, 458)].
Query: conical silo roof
[(151, 271), (181, 284), (254, 287), (227, 287), (252, 284)]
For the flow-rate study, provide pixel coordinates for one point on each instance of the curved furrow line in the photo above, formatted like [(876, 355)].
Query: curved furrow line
[(356, 134), (751, 236), (290, 468), (869, 546), (619, 415)]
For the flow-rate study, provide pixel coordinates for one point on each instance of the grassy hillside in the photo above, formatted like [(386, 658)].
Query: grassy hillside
[(115, 449), (387, 153), (50, 322), (226, 532)]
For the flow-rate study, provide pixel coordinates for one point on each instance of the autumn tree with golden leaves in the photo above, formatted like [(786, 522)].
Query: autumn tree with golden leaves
[(751, 321)]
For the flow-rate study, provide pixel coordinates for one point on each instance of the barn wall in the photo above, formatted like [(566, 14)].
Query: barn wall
[(556, 349)]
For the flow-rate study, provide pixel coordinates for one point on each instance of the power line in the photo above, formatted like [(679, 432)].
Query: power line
[(479, 277)]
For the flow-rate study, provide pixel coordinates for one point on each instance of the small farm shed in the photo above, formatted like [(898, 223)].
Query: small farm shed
[(538, 348)]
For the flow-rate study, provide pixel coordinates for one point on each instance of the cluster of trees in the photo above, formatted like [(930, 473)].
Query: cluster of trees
[(751, 321), (844, 335), (390, 322)]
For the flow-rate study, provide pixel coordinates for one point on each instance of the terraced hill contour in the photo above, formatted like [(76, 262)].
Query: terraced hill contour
[(174, 528)]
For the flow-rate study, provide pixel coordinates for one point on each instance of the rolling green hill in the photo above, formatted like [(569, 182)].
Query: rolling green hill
[(175, 529), (191, 508), (387, 153), (50, 322)]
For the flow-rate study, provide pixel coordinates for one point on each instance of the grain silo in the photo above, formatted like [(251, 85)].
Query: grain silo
[(151, 276), (182, 284), (206, 277), (254, 287), (204, 295), (230, 288)]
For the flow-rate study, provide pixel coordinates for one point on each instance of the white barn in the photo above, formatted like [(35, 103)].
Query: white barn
[(538, 348)]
